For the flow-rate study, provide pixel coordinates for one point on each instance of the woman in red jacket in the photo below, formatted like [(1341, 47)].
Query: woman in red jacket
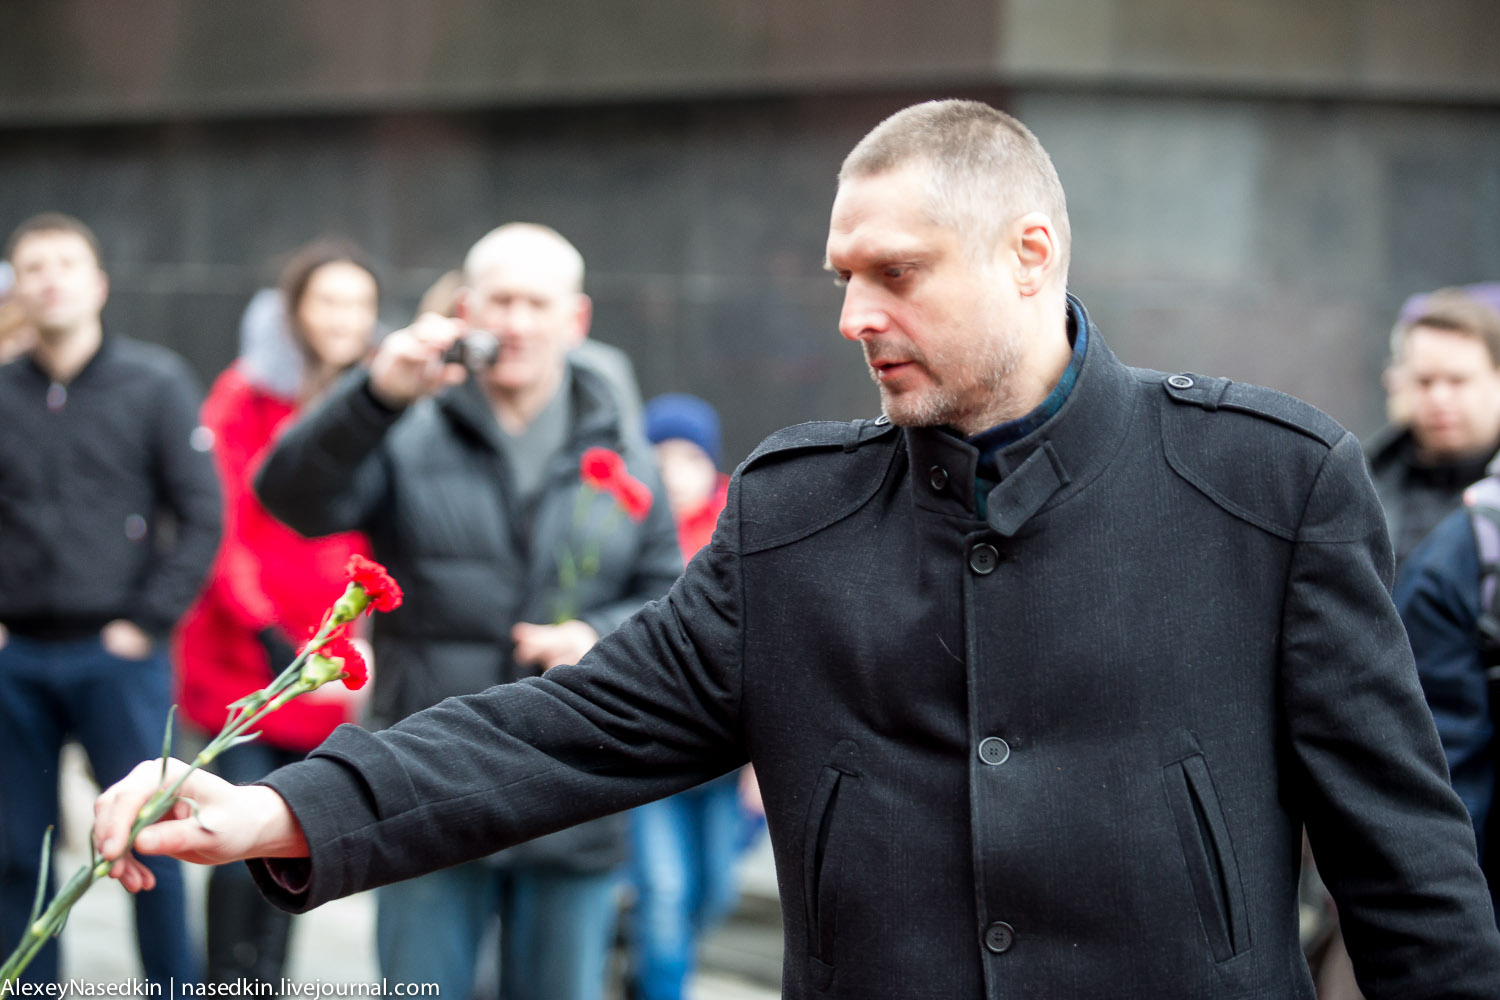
[(270, 586)]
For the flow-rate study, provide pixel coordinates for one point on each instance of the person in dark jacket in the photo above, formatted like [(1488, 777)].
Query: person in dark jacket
[(471, 494), (1443, 385), (99, 450), (1041, 672), (1440, 595)]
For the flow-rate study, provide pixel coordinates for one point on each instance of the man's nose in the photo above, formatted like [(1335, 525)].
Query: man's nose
[(862, 314), (515, 318)]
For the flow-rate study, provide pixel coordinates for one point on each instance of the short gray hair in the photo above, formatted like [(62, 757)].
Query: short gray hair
[(985, 169), (526, 239)]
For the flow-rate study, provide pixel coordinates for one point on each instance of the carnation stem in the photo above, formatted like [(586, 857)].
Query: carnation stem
[(251, 711)]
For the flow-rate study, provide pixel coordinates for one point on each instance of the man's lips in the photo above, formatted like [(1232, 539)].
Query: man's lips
[(888, 367)]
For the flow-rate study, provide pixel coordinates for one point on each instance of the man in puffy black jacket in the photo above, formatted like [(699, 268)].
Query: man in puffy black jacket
[(1041, 673), (467, 480)]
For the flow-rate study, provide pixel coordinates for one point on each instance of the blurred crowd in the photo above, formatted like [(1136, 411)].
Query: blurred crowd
[(158, 546), (161, 546)]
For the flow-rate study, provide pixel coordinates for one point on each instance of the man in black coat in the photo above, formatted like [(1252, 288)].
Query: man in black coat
[(1041, 672)]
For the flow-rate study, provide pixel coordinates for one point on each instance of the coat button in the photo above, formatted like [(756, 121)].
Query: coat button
[(938, 477), (994, 750), (1180, 382), (983, 558), (999, 936)]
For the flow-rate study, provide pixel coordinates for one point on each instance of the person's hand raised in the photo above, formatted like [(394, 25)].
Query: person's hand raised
[(409, 363)]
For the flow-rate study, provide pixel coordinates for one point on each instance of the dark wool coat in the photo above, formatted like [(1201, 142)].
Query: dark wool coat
[(1062, 753), (431, 487)]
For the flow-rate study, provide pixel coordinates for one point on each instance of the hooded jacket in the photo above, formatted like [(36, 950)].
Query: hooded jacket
[(266, 575)]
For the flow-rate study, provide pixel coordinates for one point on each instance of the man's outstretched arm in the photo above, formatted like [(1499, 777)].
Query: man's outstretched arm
[(233, 822)]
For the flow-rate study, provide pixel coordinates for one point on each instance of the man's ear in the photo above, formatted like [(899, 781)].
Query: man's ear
[(461, 303), (1392, 379), (1034, 244), (583, 317)]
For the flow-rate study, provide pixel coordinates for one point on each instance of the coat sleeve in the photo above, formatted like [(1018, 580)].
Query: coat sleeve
[(651, 710), (324, 474), (1438, 596), (188, 488), (1391, 838)]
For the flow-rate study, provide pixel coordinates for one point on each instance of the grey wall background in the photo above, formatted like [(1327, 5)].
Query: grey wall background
[(1255, 185)]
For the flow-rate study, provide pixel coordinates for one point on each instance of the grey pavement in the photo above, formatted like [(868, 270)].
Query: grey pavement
[(334, 944)]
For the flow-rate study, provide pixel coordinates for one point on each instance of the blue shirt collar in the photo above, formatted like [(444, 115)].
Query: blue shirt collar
[(992, 440)]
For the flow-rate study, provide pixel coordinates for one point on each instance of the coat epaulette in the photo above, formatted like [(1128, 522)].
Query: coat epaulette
[(1251, 466), (809, 495), (848, 435), (1242, 397)]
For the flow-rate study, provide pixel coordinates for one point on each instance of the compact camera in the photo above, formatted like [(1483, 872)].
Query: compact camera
[(475, 350)]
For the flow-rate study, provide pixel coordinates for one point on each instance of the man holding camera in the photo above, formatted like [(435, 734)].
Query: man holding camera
[(458, 452)]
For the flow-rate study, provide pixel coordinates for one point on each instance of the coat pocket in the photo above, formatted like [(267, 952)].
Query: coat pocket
[(1206, 848), (821, 862)]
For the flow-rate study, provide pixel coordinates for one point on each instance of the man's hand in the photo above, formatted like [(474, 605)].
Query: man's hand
[(409, 363), (547, 646), (125, 639), (234, 822)]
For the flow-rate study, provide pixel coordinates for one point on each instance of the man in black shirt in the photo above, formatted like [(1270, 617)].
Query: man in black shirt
[(98, 437)]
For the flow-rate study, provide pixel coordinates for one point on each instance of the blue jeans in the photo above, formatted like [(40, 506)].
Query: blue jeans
[(683, 866), (556, 927), (117, 709)]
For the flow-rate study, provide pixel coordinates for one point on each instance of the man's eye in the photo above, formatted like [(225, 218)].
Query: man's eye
[(841, 278), (895, 271)]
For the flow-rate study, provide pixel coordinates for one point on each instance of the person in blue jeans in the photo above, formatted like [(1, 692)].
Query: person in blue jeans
[(99, 442), (684, 848)]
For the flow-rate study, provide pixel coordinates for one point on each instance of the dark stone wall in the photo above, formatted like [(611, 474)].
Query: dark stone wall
[(1267, 239), (702, 223), (1272, 241), (1255, 185)]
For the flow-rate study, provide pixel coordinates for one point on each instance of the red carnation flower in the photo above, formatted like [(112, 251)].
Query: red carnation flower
[(338, 647), (634, 496), (601, 468), (383, 591)]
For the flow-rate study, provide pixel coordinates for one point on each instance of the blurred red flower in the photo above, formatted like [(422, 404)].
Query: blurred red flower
[(635, 497), (601, 468), (605, 471)]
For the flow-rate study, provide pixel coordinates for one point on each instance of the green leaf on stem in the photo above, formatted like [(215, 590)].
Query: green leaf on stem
[(41, 879), (166, 742)]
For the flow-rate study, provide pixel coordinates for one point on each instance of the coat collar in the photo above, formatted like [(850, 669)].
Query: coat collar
[(1046, 466)]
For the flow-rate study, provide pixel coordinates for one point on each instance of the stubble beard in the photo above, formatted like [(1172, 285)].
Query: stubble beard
[(975, 387)]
